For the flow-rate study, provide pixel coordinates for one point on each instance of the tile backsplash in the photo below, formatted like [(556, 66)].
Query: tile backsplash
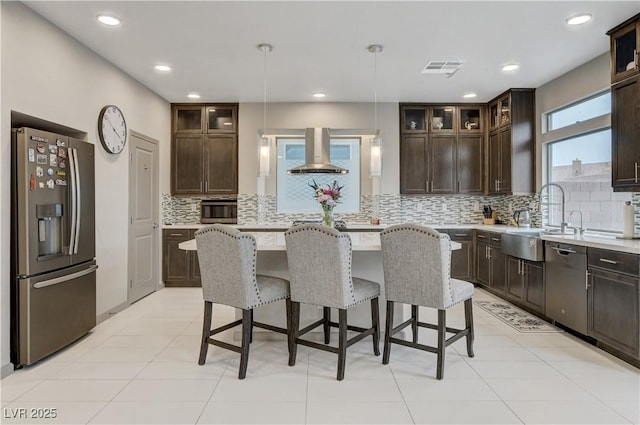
[(390, 209)]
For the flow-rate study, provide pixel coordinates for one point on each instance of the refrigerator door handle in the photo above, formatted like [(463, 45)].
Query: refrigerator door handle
[(78, 200), (65, 278), (72, 170)]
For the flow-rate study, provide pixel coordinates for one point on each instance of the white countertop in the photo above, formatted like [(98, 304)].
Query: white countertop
[(274, 241), (362, 240)]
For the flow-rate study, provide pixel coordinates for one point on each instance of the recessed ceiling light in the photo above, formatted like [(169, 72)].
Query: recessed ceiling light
[(111, 21), (469, 95), (510, 67), (193, 96), (579, 19), (319, 95), (163, 68)]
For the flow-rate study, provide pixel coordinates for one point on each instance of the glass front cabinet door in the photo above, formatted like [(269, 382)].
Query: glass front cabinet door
[(470, 119), (221, 118), (413, 119), (624, 51), (442, 119), (187, 119)]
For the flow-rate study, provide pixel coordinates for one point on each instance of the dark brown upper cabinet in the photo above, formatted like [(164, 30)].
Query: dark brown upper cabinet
[(500, 112), (625, 41), (436, 155), (204, 153), (625, 106), (511, 147), (625, 135)]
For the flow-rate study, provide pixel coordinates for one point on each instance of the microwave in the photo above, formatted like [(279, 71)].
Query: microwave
[(223, 211)]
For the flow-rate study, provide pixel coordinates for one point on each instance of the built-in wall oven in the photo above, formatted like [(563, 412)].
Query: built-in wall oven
[(221, 210)]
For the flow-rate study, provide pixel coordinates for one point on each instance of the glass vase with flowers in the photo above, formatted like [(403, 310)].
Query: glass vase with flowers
[(328, 196)]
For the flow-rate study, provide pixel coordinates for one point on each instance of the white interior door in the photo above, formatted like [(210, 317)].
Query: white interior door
[(143, 268)]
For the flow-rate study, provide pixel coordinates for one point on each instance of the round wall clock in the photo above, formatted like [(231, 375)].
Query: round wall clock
[(112, 129)]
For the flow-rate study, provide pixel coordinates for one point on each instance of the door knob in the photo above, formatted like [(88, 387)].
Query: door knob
[(155, 225)]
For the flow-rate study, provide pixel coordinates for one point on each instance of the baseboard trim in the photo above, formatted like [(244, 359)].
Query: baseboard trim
[(115, 310), (6, 370)]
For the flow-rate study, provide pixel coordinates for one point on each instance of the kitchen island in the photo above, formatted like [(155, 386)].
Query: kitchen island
[(366, 264)]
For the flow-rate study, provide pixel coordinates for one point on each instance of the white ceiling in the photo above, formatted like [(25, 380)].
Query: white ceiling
[(321, 46)]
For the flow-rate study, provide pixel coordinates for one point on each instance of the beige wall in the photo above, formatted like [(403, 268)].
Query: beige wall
[(319, 114), (583, 81), (49, 75)]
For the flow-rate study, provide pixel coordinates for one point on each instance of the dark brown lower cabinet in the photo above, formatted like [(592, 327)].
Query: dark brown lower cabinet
[(483, 264), (614, 311), (525, 283), (179, 267), (490, 262), (462, 259)]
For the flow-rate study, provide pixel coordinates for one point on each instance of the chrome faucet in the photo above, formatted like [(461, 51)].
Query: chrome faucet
[(577, 229), (563, 224)]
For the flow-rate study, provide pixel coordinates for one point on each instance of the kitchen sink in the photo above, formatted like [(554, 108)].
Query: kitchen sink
[(525, 245)]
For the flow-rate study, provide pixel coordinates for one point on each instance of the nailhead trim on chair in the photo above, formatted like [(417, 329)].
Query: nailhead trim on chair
[(249, 237)]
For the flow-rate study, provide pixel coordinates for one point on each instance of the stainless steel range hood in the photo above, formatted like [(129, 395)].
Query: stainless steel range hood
[(317, 147)]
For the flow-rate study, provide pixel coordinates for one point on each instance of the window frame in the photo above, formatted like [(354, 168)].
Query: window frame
[(578, 129), (360, 141), (549, 114)]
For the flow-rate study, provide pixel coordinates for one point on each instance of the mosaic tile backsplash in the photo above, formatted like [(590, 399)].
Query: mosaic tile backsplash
[(390, 209)]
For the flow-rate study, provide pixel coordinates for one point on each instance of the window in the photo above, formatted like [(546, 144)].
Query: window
[(581, 164), (583, 110), (293, 194)]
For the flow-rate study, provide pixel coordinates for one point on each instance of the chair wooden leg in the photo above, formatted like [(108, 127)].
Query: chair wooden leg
[(246, 338), (375, 324), (288, 310), (414, 322), (387, 333), (342, 342), (292, 333), (251, 329), (206, 331), (468, 320), (327, 328), (442, 336)]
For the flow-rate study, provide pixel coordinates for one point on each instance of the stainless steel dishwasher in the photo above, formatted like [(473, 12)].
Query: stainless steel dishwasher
[(566, 284)]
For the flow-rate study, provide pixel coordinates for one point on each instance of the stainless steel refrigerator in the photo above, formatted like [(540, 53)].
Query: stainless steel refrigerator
[(53, 265)]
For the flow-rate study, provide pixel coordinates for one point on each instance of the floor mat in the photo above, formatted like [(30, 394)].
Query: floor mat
[(516, 318)]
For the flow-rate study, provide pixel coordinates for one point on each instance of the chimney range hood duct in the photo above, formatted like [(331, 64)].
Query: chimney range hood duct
[(317, 145)]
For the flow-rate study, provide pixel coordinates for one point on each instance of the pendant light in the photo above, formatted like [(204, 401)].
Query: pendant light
[(264, 142), (375, 144)]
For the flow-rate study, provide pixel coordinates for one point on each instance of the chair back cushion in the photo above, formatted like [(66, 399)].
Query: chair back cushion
[(228, 266), (416, 261), (319, 259)]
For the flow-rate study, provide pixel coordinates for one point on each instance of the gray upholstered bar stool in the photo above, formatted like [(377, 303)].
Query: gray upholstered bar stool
[(228, 269), (319, 259), (417, 271)]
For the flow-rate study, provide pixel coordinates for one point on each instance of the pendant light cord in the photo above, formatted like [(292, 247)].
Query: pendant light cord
[(264, 103), (375, 91)]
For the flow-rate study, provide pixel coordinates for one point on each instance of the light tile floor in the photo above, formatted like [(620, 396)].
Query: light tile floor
[(139, 367)]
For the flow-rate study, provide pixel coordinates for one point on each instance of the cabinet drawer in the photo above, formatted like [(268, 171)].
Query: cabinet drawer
[(460, 234), (621, 262), (492, 238), (176, 233)]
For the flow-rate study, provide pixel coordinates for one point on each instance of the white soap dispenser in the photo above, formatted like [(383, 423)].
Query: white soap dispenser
[(627, 221)]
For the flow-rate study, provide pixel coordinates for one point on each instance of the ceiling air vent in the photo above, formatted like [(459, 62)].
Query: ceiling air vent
[(447, 68)]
